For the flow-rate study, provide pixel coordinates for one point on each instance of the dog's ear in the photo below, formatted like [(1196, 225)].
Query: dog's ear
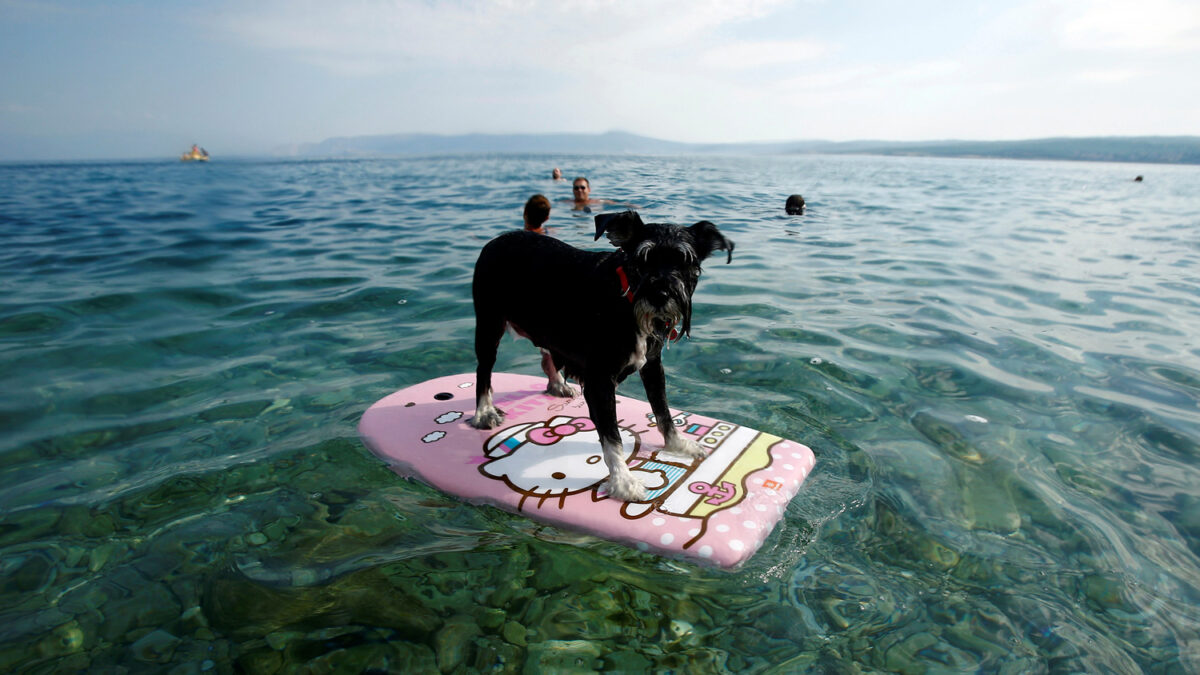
[(706, 238), (621, 227)]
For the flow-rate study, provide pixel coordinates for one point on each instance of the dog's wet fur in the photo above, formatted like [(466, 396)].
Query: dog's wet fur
[(592, 325)]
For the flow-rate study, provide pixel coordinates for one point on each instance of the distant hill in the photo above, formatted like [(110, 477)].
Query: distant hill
[(1150, 149)]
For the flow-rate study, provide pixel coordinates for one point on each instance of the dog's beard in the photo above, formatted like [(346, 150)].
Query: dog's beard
[(654, 320), (663, 303)]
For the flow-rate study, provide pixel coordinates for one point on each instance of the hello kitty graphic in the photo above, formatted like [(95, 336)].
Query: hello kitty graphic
[(562, 456), (551, 460)]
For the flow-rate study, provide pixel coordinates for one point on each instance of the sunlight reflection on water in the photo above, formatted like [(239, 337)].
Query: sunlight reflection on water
[(992, 360)]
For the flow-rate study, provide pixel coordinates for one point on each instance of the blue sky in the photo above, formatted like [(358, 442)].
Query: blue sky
[(146, 79)]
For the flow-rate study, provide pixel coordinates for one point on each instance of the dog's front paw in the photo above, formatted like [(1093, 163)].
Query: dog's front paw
[(685, 447), (626, 488), (560, 389), (487, 419)]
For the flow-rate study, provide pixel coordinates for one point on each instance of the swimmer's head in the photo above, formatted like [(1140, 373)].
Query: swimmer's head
[(794, 205), (581, 188), (557, 174), (537, 212)]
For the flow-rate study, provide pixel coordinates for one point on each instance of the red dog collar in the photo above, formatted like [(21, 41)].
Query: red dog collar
[(625, 289)]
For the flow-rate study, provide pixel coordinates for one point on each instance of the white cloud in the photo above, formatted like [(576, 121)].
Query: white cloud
[(1147, 25), (827, 80), (720, 69), (743, 55), (928, 71), (374, 36), (1110, 75)]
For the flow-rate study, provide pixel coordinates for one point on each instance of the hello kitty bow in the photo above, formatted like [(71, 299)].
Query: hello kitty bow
[(550, 435)]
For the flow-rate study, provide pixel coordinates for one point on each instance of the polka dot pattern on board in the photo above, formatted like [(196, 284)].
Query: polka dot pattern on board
[(677, 522)]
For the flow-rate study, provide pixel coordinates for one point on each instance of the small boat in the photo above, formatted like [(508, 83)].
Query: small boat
[(196, 154)]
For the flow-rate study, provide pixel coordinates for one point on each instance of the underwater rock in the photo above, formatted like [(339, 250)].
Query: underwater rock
[(276, 531), (627, 661), (121, 611), (155, 647), (1106, 592), (686, 609), (945, 436), (573, 618), (280, 639), (30, 574), (935, 553), (328, 399), (964, 635), (561, 569), (680, 632), (63, 640), (747, 648), (514, 633), (782, 622), (81, 520), (453, 642), (511, 576), (563, 656), (1188, 511), (28, 525), (238, 606), (260, 661), (650, 614), (696, 660), (367, 658), (50, 617), (495, 656), (832, 607), (988, 504), (902, 657), (489, 618)]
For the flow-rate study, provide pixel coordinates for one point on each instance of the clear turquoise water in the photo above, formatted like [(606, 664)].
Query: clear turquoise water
[(995, 362)]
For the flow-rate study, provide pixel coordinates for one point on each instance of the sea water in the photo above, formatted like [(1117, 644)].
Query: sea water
[(995, 362)]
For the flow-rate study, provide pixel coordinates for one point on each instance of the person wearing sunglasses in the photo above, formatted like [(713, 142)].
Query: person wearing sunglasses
[(581, 191)]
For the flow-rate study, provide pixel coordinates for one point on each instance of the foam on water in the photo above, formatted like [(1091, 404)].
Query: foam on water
[(993, 360)]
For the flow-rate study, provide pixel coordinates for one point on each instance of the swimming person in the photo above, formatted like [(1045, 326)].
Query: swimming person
[(581, 189), (557, 174), (794, 205), (537, 212)]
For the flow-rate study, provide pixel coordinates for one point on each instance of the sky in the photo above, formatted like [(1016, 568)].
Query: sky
[(88, 79)]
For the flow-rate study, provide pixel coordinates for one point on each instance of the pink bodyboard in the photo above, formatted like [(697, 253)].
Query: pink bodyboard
[(544, 462)]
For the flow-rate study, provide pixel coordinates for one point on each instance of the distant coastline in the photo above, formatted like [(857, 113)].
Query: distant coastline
[(1141, 149), (1180, 150)]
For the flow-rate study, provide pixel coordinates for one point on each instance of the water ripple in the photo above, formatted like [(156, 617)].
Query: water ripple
[(992, 360)]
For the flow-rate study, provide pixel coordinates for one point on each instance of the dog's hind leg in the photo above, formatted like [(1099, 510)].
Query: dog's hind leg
[(655, 381), (488, 331), (556, 385), (600, 394)]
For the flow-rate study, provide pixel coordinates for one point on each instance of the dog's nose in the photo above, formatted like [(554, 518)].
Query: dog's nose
[(657, 296)]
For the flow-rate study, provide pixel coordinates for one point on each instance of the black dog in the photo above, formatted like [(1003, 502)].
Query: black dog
[(600, 317)]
